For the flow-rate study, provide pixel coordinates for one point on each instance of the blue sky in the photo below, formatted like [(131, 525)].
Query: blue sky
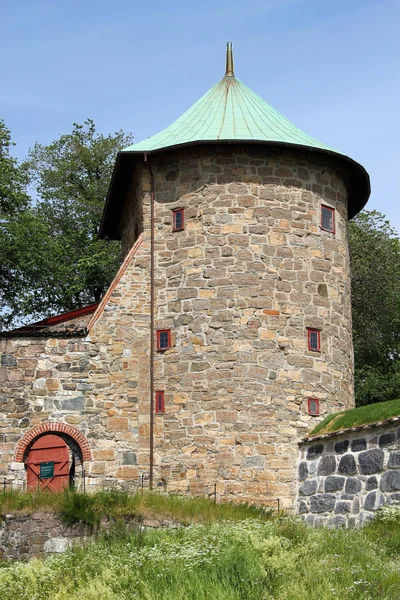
[(330, 67)]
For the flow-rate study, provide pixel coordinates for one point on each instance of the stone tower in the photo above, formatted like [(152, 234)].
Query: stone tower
[(227, 330), (254, 287)]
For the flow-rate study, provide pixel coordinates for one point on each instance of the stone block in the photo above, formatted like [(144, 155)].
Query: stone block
[(342, 508), (253, 461), (390, 481), (347, 465), (315, 451), (8, 360), (129, 458), (334, 484), (322, 503), (341, 447), (371, 483), (394, 460), (358, 445), (327, 465), (353, 485), (302, 508), (77, 403), (387, 439), (127, 473), (303, 471), (373, 501), (117, 424), (308, 488), (371, 461)]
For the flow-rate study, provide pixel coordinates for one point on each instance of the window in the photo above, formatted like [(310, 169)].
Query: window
[(163, 339), (178, 220), (327, 218), (314, 340), (313, 406), (159, 403)]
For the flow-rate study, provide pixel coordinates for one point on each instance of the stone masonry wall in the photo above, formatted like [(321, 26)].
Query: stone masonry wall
[(344, 479), (238, 288)]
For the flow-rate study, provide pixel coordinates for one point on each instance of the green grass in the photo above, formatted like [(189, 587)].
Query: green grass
[(364, 415), (280, 559), (74, 507)]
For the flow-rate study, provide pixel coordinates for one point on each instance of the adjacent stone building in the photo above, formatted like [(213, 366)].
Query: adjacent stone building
[(227, 329)]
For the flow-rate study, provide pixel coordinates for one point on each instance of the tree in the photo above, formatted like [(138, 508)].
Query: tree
[(375, 280), (51, 251), (13, 178)]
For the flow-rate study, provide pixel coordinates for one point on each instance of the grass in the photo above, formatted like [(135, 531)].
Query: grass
[(279, 559), (364, 415), (74, 507)]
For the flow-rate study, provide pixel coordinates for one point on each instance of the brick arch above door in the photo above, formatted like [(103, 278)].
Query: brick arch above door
[(62, 429)]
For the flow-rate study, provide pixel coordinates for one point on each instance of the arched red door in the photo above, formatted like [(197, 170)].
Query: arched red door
[(48, 464)]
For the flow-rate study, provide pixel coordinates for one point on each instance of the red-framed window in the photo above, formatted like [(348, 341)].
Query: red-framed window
[(159, 402), (314, 340), (313, 406), (163, 339), (178, 219), (327, 218)]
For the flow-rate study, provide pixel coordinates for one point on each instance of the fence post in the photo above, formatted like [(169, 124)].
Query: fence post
[(215, 493), (4, 485), (142, 482), (278, 505), (84, 481)]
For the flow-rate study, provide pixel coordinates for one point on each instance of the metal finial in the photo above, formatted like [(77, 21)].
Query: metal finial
[(229, 72)]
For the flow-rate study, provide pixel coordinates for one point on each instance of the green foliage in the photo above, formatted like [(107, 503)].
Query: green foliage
[(13, 178), (52, 260), (249, 560), (363, 415), (74, 507), (375, 281)]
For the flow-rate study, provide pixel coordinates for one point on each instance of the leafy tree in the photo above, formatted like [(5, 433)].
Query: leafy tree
[(375, 279), (13, 178), (52, 256)]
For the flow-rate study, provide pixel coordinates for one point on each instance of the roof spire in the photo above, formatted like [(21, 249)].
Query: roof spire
[(229, 72)]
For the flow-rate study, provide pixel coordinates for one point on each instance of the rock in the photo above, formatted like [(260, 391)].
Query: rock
[(308, 487), (358, 444), (394, 460), (371, 483), (342, 508), (322, 503), (373, 501), (303, 471), (387, 439), (390, 481), (334, 484), (341, 447), (371, 461), (393, 499), (303, 508), (347, 465), (314, 451), (327, 465), (253, 461), (353, 485), (129, 458), (77, 403), (8, 360), (56, 545), (339, 521)]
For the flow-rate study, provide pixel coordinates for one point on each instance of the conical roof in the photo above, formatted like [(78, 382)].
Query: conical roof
[(229, 113)]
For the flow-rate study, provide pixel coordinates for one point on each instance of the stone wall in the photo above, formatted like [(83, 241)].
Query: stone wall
[(38, 535), (238, 288), (345, 478)]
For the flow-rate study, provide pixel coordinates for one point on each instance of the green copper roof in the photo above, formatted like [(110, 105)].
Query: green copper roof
[(229, 111)]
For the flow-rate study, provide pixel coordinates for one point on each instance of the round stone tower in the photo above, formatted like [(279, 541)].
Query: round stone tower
[(244, 224)]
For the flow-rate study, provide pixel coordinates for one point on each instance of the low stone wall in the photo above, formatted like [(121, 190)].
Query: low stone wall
[(344, 478), (25, 536), (41, 534)]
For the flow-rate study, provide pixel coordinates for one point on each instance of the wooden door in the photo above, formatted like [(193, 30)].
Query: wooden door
[(48, 464)]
